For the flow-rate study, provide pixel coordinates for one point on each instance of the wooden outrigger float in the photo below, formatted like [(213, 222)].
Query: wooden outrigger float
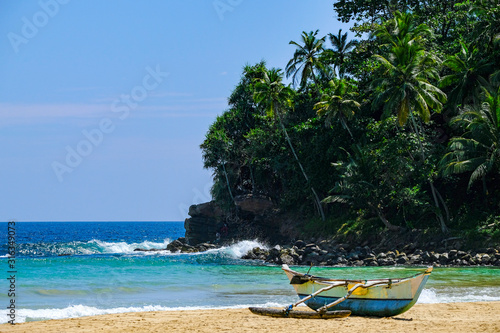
[(333, 298)]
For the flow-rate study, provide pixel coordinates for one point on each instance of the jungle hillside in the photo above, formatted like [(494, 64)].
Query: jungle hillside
[(393, 125)]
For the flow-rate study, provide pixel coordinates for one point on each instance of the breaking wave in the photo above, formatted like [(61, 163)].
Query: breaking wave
[(96, 246)]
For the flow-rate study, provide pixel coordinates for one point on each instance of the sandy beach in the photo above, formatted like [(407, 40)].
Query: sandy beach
[(450, 317)]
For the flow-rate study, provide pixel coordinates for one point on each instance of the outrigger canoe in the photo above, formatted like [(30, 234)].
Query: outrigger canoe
[(381, 298)]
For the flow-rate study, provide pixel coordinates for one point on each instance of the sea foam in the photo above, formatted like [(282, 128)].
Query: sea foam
[(75, 311)]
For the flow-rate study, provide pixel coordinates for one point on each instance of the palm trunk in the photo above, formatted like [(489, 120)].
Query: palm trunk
[(227, 182), (252, 179), (382, 218), (444, 228), (316, 198), (344, 124)]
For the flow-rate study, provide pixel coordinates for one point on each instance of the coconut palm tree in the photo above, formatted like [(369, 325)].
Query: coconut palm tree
[(306, 61), (341, 49), (275, 97), (478, 150), (468, 73), (404, 86), (339, 104)]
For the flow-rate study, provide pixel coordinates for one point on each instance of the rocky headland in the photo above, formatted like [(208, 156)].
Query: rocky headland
[(255, 218)]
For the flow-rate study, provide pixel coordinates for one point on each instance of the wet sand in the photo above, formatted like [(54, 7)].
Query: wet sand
[(450, 317)]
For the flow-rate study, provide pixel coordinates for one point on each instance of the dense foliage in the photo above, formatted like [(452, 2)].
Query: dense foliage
[(400, 126)]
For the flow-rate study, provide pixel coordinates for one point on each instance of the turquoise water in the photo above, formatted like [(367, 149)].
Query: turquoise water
[(100, 273)]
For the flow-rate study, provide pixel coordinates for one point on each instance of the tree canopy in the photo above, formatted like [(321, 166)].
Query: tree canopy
[(399, 126)]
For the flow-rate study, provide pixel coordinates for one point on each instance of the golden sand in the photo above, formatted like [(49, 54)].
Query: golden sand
[(450, 317)]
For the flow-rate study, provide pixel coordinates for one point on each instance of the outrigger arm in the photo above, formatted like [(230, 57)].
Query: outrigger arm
[(333, 285)]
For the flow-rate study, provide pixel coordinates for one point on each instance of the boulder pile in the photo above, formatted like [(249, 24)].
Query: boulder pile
[(328, 254)]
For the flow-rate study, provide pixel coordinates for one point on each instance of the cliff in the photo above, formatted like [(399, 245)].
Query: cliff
[(252, 217)]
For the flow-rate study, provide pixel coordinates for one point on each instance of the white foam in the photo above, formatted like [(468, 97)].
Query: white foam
[(123, 247), (241, 248), (455, 295), (428, 296), (75, 311)]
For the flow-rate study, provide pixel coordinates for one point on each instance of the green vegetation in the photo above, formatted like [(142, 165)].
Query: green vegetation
[(399, 128)]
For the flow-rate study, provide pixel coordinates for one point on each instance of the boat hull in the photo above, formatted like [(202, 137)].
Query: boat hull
[(383, 300), (363, 307)]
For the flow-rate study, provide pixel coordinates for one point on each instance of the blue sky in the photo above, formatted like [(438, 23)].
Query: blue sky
[(103, 104)]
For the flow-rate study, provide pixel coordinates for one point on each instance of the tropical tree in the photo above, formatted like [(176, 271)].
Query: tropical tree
[(225, 148), (469, 70), (381, 176), (488, 27), (306, 61), (275, 97), (478, 150), (339, 104), (341, 49), (404, 86)]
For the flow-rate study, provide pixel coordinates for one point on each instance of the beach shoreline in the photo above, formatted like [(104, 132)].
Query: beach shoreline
[(440, 317)]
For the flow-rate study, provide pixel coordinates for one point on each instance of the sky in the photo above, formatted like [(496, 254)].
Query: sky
[(103, 104)]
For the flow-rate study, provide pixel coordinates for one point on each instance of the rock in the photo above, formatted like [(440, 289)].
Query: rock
[(382, 262), (358, 263), (258, 205), (401, 259), (286, 259), (415, 259), (207, 209), (418, 252), (200, 229), (139, 249), (478, 259), (368, 261), (491, 250), (443, 258), (300, 244), (434, 257), (485, 259), (353, 256), (391, 255), (175, 246), (311, 248)]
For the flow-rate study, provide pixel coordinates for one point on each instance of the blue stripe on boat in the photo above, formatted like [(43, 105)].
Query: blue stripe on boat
[(363, 306)]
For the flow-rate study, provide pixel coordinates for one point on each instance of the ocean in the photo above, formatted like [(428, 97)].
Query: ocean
[(74, 269)]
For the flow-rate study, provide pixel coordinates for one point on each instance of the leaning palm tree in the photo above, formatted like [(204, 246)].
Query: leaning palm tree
[(274, 96), (306, 60), (341, 49), (404, 86), (468, 72), (478, 150), (339, 104)]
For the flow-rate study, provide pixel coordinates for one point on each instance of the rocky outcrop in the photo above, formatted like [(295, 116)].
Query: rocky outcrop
[(327, 253), (250, 218), (256, 205), (203, 225)]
